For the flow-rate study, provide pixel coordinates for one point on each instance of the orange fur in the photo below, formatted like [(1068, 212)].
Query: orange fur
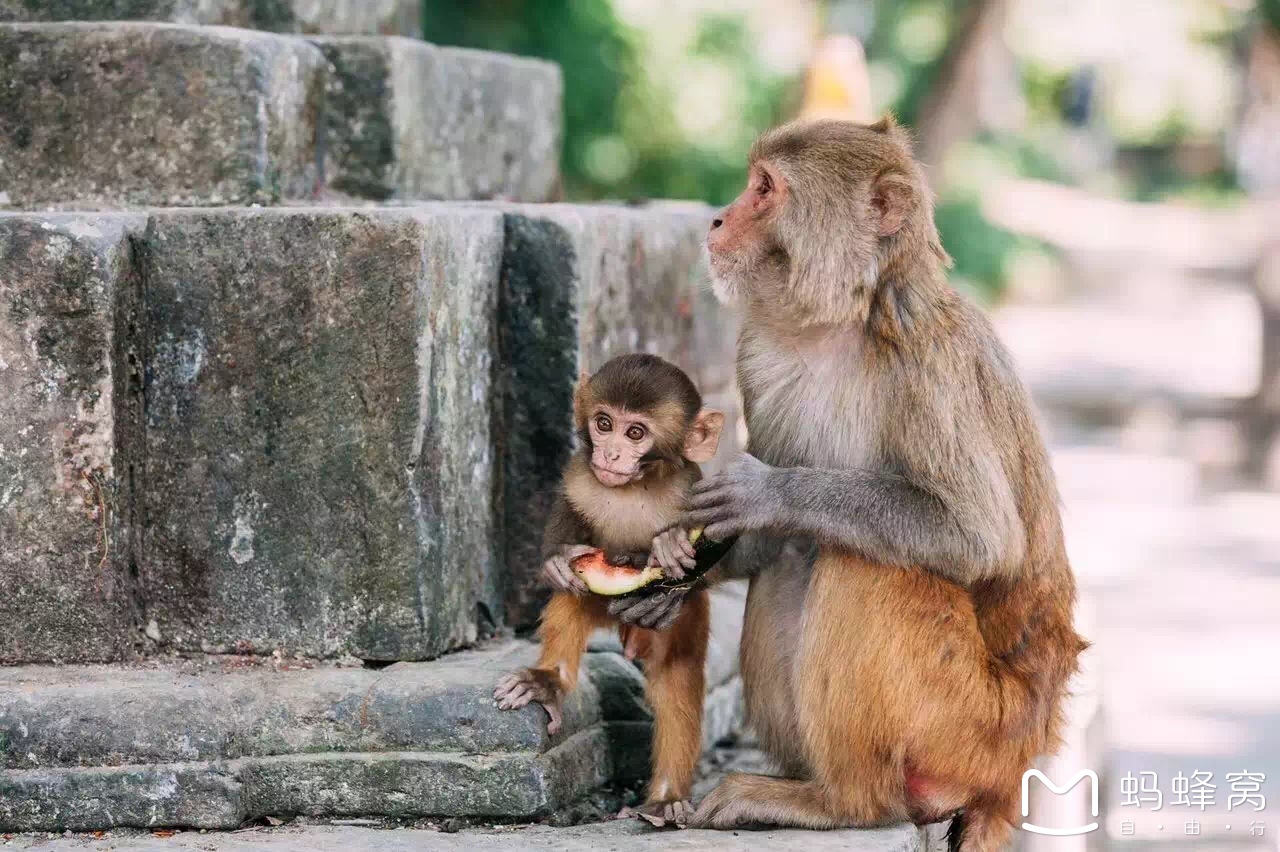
[(674, 662), (889, 707)]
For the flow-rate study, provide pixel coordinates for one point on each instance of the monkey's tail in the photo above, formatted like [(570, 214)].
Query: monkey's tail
[(955, 832), (981, 827)]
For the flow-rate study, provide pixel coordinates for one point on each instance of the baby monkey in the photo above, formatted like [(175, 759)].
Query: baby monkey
[(643, 433)]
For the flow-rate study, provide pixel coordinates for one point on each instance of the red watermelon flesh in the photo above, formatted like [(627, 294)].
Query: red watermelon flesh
[(605, 579)]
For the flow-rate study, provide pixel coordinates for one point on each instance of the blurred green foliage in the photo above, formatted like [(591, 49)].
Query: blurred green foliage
[(627, 90), (622, 139), (1270, 12), (596, 52)]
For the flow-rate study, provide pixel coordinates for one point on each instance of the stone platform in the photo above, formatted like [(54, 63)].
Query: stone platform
[(110, 115), (218, 742)]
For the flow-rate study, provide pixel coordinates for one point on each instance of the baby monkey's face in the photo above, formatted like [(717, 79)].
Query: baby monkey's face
[(620, 442)]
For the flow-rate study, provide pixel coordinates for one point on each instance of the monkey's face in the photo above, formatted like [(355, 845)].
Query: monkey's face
[(620, 442), (829, 206), (743, 238)]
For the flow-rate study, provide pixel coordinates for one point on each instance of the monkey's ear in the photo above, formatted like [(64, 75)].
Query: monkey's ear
[(703, 437), (893, 197), (581, 398), (886, 124)]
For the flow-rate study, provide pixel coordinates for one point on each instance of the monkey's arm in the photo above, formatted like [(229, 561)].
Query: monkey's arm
[(564, 527), (965, 531), (566, 536)]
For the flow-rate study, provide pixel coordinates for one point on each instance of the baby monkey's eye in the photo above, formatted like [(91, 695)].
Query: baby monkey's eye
[(636, 433), (603, 423)]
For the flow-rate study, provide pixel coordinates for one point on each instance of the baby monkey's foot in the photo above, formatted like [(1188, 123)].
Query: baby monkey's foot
[(662, 814), (520, 687)]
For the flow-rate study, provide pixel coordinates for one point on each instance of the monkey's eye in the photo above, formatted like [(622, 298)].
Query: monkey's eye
[(766, 184), (636, 433), (603, 423)]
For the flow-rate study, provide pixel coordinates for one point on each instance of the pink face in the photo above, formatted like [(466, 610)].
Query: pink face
[(739, 233), (619, 440)]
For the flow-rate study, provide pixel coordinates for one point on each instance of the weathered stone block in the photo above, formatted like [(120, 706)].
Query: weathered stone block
[(319, 470), (634, 280), (67, 295), (407, 119), (533, 396), (405, 784), (95, 715), (193, 795), (366, 17), (108, 115), (226, 794), (88, 747)]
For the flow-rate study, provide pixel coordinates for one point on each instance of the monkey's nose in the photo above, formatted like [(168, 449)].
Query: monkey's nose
[(716, 223)]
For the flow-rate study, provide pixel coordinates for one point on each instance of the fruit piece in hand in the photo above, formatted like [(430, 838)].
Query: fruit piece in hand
[(611, 580)]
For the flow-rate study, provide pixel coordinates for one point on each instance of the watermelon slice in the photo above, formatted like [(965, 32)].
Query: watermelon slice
[(605, 579), (613, 580)]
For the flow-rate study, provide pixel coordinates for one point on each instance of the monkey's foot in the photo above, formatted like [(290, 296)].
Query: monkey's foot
[(520, 687), (661, 814), (715, 811)]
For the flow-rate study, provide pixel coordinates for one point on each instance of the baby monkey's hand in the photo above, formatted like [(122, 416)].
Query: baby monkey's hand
[(673, 552), (558, 573)]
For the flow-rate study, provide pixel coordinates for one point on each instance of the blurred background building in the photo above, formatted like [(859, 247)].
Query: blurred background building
[(1107, 174)]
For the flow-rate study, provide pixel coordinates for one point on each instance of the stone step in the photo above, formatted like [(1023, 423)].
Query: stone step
[(88, 748), (328, 431), (120, 115), (215, 742), (406, 119), (334, 17)]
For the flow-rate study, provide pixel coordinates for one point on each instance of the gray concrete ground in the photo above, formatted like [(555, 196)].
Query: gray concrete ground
[(617, 835), (1178, 565)]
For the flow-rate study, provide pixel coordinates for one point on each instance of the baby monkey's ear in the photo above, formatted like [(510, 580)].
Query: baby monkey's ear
[(703, 437), (581, 398)]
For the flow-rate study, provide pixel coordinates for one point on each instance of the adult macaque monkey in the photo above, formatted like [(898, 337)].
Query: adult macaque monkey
[(908, 635), (643, 433)]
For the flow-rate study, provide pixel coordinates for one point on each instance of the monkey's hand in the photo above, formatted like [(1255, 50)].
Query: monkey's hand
[(672, 551), (655, 611), (742, 499), (517, 689), (558, 573)]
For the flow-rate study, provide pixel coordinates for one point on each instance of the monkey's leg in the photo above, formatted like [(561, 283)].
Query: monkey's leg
[(920, 735), (567, 623), (814, 695), (675, 683), (770, 643)]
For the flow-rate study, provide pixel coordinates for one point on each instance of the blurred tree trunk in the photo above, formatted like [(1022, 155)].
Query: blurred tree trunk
[(954, 108), (1257, 151), (1257, 158)]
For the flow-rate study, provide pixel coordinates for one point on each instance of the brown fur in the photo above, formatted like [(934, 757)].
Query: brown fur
[(932, 656)]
